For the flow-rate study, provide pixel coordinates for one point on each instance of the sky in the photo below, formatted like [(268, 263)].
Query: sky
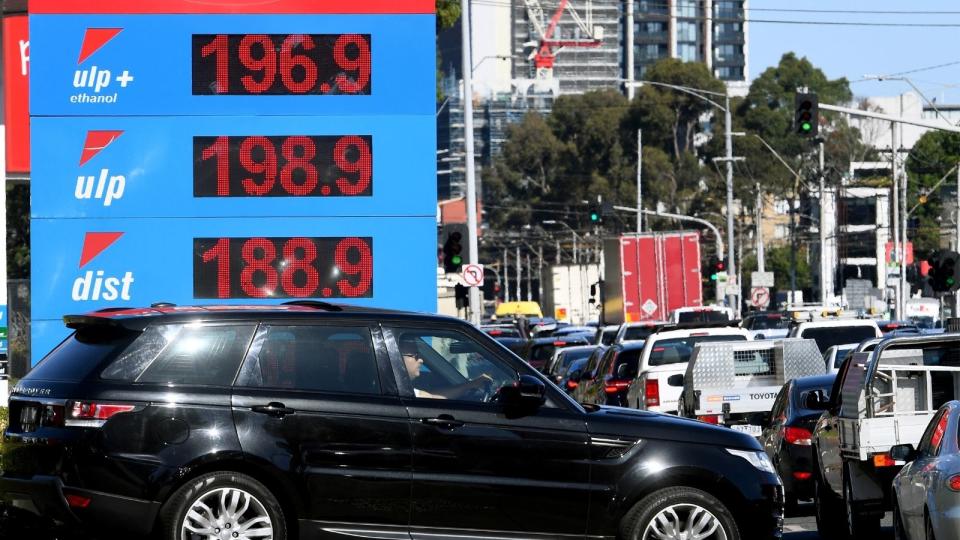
[(855, 51)]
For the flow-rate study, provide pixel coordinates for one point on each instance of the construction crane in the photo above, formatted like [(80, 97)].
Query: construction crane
[(549, 43)]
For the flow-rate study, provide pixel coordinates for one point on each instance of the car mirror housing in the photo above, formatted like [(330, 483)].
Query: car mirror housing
[(528, 391), (903, 452)]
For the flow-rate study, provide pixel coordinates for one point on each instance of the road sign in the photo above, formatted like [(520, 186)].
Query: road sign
[(473, 275), (649, 307), (731, 289), (760, 297), (761, 279), (218, 152)]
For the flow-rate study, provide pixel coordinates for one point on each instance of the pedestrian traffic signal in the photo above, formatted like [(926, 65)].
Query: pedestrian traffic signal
[(454, 251), (807, 117)]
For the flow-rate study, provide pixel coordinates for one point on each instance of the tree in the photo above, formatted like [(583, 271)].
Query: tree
[(931, 158)]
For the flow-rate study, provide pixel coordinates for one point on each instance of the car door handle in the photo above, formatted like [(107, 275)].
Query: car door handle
[(444, 420), (275, 409)]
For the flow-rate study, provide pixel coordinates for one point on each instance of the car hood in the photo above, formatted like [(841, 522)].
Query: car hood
[(633, 423)]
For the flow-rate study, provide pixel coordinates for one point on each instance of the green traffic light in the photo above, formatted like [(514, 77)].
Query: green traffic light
[(594, 216), (950, 281), (806, 126), (713, 277), (457, 259)]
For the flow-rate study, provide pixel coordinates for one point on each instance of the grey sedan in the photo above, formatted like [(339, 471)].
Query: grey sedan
[(926, 492)]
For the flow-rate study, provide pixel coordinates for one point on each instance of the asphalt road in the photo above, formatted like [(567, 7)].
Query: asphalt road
[(805, 528)]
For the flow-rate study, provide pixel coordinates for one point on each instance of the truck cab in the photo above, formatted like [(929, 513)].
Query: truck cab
[(667, 352)]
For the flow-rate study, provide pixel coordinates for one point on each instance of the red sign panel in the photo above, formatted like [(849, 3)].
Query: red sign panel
[(908, 253), (16, 59)]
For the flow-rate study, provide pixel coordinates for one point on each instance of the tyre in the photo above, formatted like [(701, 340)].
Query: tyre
[(828, 511), (689, 512), (898, 531), (859, 525), (213, 504)]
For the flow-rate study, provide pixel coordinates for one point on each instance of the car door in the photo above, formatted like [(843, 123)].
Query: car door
[(316, 405), (770, 437), (921, 475), (478, 471), (593, 392), (827, 434)]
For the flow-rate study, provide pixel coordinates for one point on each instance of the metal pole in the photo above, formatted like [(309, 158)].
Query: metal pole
[(956, 246), (506, 276), (761, 256), (629, 60), (895, 225), (558, 252), (476, 303), (519, 273), (540, 274), (529, 280), (731, 263), (904, 286), (639, 167), (823, 233), (576, 254)]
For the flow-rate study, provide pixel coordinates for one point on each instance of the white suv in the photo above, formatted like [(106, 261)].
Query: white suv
[(830, 332), (667, 353)]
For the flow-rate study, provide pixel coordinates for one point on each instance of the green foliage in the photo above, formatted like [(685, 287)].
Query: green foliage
[(18, 231), (448, 13), (931, 158)]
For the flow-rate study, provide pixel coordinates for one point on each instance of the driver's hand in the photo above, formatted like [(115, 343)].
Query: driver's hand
[(481, 381)]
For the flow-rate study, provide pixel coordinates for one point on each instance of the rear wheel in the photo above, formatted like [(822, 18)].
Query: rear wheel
[(859, 525), (226, 505), (679, 513), (828, 511)]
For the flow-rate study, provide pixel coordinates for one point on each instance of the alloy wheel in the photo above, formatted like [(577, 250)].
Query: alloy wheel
[(684, 522), (226, 514)]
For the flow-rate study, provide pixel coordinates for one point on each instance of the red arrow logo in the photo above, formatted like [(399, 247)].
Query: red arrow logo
[(97, 141), (93, 39), (94, 243)]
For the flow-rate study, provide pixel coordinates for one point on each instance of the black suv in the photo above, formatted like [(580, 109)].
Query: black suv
[(321, 421)]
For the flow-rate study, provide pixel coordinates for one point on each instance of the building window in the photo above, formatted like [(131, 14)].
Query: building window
[(858, 211), (651, 51), (688, 52), (652, 6), (728, 52), (856, 245), (651, 27), (687, 8), (687, 31), (730, 73), (728, 30)]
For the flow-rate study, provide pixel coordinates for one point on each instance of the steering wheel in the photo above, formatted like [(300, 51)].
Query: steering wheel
[(483, 394)]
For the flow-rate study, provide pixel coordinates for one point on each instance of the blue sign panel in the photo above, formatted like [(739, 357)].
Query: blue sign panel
[(136, 262), (206, 167), (232, 65)]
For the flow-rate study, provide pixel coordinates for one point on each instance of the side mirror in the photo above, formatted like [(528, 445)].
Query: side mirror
[(529, 391), (903, 452), (675, 380), (816, 400)]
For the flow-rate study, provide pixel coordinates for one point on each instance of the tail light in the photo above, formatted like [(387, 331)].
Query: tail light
[(559, 343), (571, 384), (616, 385), (92, 414), (77, 501), (652, 393), (800, 475), (798, 436), (954, 482), (883, 460), (710, 419)]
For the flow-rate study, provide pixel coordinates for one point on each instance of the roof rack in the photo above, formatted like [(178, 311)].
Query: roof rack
[(318, 304), (695, 325)]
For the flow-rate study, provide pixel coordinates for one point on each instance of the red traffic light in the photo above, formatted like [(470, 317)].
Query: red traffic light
[(720, 266)]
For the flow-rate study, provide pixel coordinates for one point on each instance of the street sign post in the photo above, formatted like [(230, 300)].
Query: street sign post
[(225, 152), (473, 275)]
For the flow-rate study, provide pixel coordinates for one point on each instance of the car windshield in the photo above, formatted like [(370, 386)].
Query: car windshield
[(638, 333), (829, 336), (773, 321), (567, 358), (707, 315), (678, 350)]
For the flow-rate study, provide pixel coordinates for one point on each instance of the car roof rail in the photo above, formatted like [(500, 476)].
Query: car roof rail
[(318, 304), (162, 304), (696, 325)]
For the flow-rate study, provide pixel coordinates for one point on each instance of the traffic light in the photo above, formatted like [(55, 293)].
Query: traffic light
[(806, 120), (596, 215), (945, 272), (454, 238), (718, 268), (461, 295)]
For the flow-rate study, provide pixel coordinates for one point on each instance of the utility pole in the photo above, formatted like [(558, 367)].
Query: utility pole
[(895, 226), (823, 233), (629, 60), (529, 280), (904, 286), (732, 299), (506, 276), (639, 164), (519, 273), (540, 273), (956, 246), (476, 302), (558, 252), (761, 256)]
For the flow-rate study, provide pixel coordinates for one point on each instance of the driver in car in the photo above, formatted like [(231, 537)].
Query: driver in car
[(413, 361)]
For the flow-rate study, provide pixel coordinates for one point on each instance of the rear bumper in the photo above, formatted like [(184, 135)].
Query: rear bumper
[(45, 496)]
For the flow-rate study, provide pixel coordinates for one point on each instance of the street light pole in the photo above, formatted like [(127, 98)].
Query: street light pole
[(732, 299), (476, 304)]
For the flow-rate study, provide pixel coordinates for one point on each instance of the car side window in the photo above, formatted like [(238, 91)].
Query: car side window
[(932, 438), (606, 362), (780, 403), (313, 358), (183, 354), (594, 362), (445, 364)]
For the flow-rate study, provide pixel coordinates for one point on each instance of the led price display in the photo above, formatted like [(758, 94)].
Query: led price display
[(281, 64), (285, 267), (283, 166)]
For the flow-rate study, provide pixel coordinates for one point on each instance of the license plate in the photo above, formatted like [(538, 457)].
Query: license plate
[(749, 429)]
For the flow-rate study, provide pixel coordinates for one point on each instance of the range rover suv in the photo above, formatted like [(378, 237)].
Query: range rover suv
[(312, 420)]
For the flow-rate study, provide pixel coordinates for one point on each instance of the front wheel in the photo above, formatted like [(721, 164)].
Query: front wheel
[(222, 505), (679, 512)]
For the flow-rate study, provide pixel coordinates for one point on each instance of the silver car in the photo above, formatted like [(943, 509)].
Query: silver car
[(926, 492)]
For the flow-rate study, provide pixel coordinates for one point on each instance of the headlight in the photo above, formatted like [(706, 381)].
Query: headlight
[(760, 460)]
